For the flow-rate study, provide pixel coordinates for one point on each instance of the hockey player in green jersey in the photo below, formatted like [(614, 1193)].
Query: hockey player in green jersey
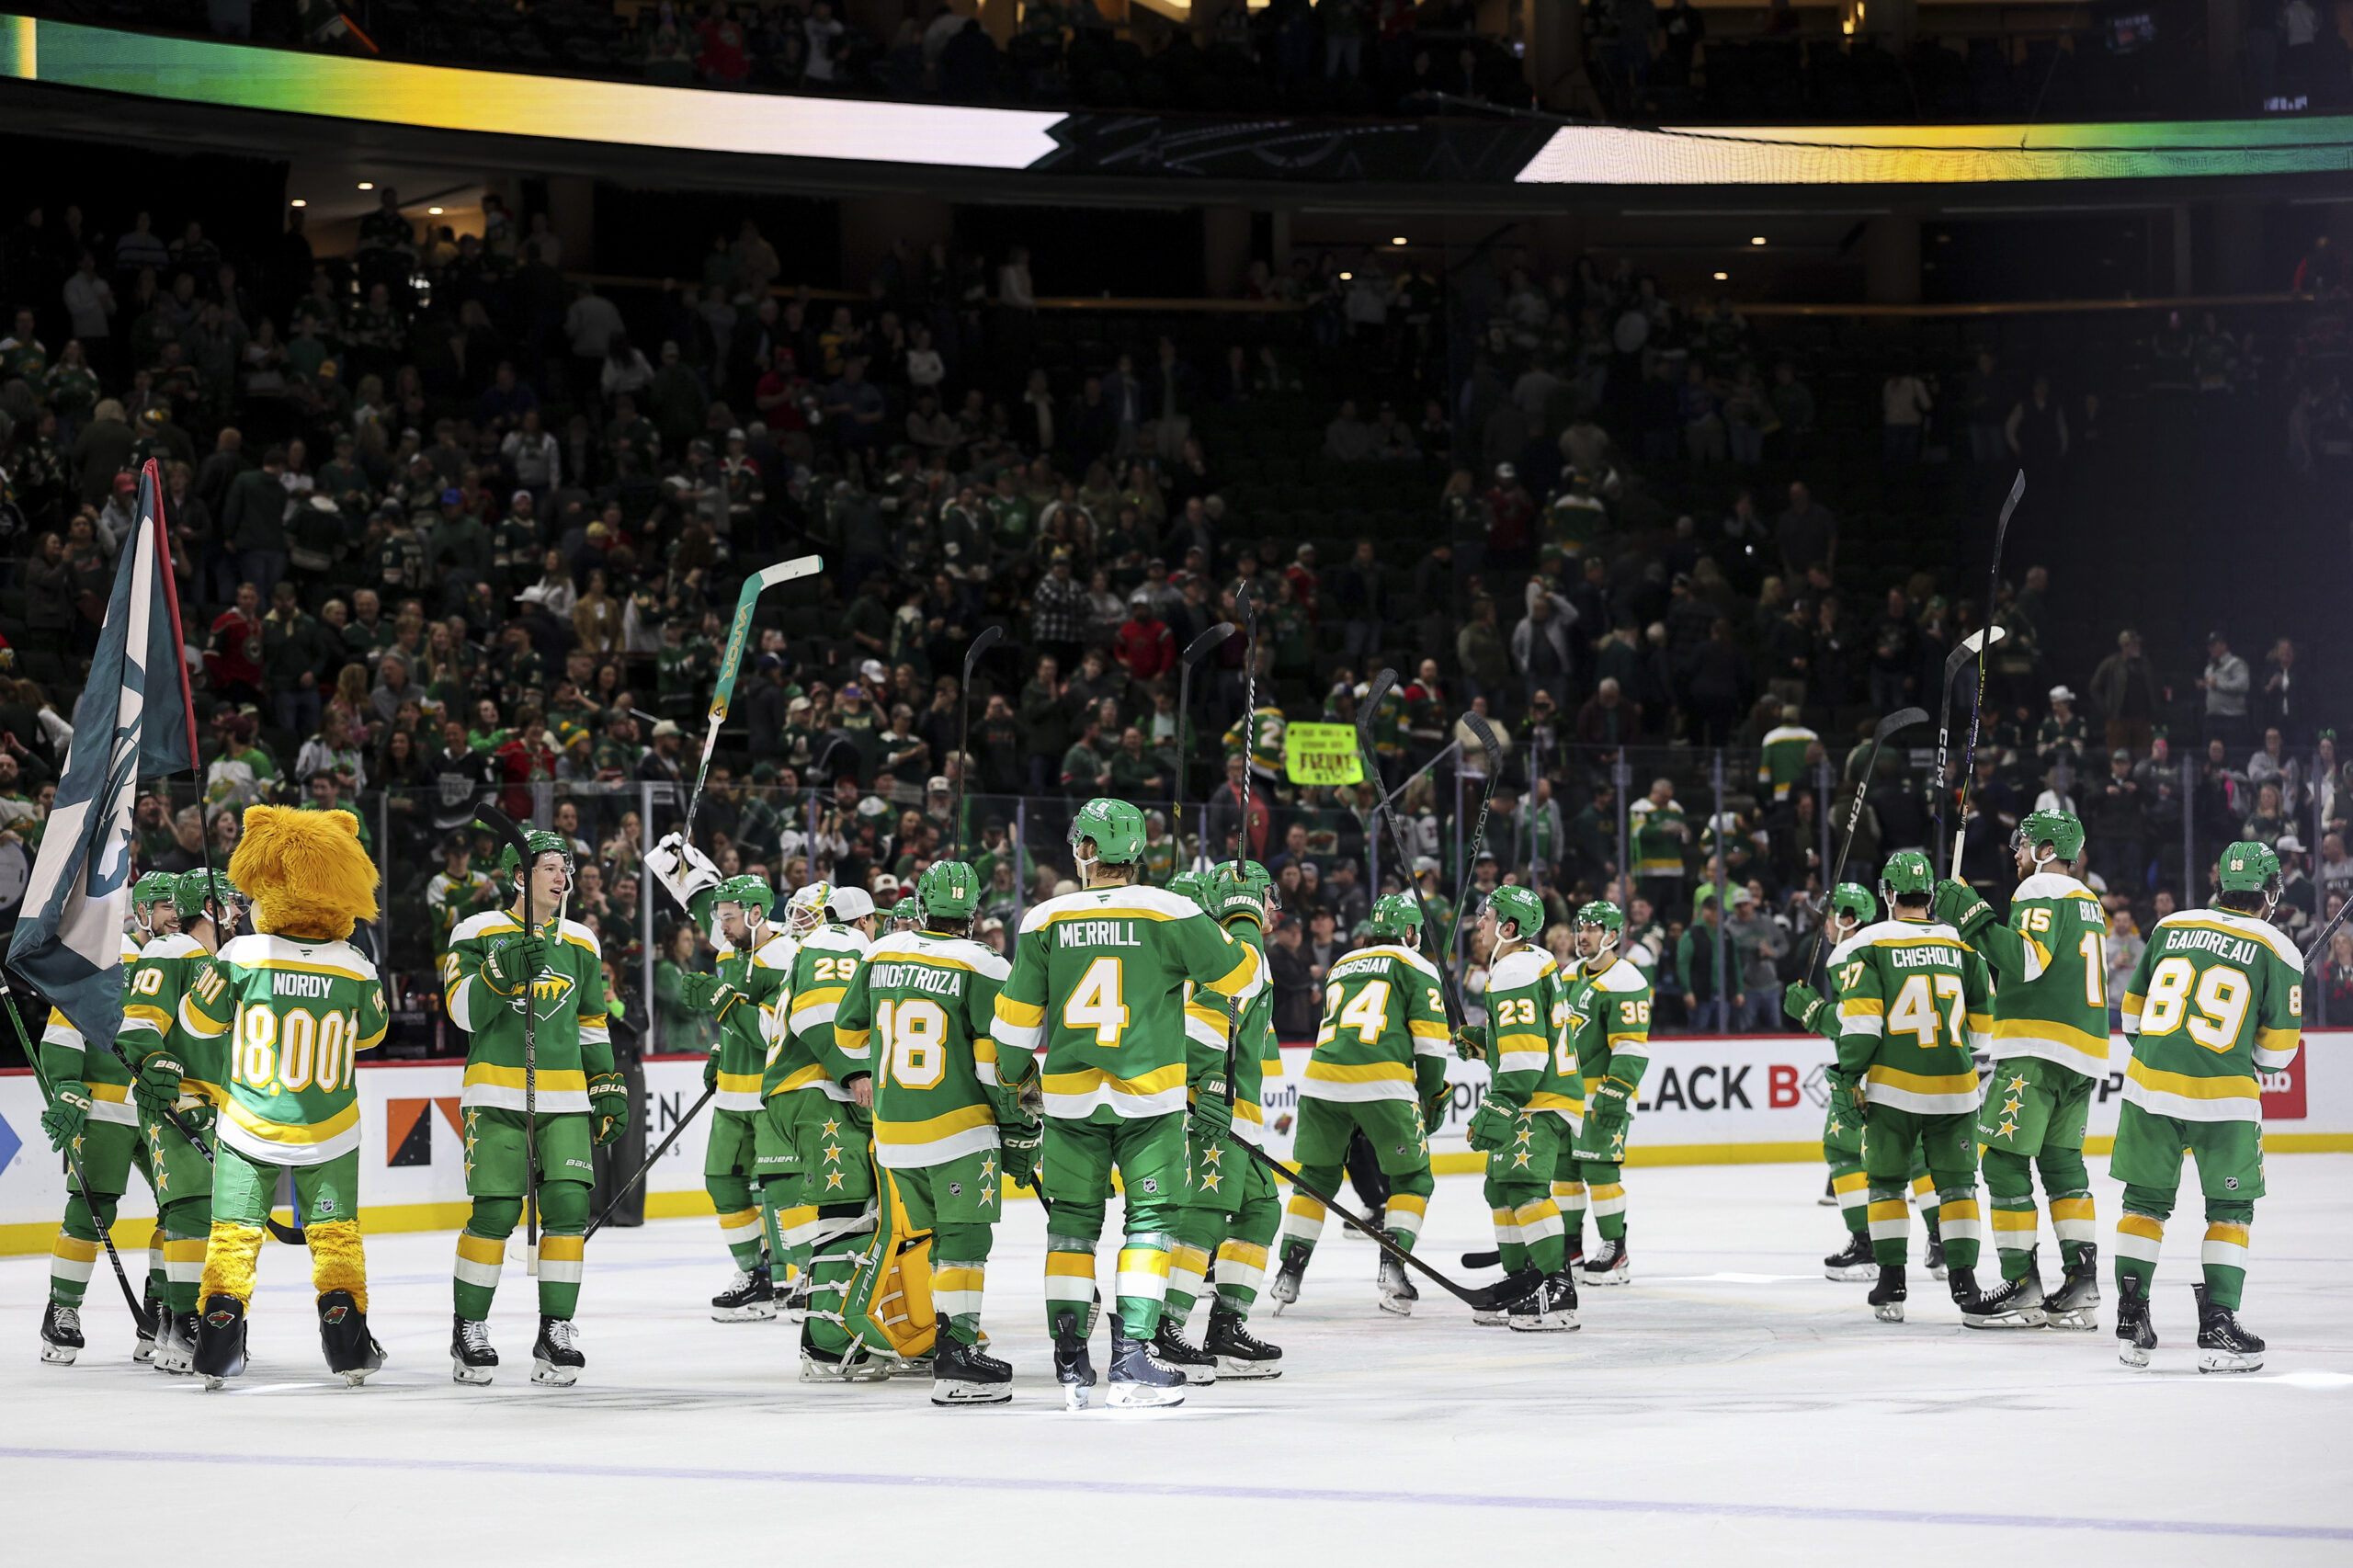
[(946, 1102), (183, 1075), (1608, 1000), (1851, 908), (293, 1006), (1535, 1105), (495, 969), (2050, 1050), (1380, 1058), (1229, 1212), (1098, 980), (818, 1094), (2216, 999), (1912, 1010)]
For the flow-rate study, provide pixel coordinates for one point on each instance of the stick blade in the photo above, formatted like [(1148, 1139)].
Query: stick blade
[(1983, 638), (1484, 733), (989, 637), (1201, 647), (1901, 718), (1376, 692), (789, 570)]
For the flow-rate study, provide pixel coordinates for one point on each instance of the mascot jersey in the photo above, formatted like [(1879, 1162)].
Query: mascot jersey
[(297, 1014)]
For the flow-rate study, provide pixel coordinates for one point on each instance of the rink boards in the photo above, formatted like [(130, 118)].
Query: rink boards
[(1707, 1100)]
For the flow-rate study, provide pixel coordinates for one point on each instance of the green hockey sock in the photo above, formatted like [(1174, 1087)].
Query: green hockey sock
[(1409, 1205), (186, 1227), (1852, 1189), (76, 1250), (2221, 1257), (2009, 1182), (1509, 1249), (159, 1278), (482, 1254), (1960, 1225), (1303, 1216), (1241, 1271), (1141, 1283), (2072, 1218), (740, 1226), (1890, 1221), (1540, 1235), (563, 1236), (1192, 1245), (1070, 1278), (1605, 1196)]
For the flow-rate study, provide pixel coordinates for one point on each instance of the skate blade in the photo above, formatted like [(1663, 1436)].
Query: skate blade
[(1141, 1396), (212, 1380), (2132, 1355), (1853, 1274), (971, 1393), (1396, 1306), (2228, 1361), (1889, 1312), (1558, 1322), (1614, 1277), (1234, 1369), (742, 1314), (145, 1353), (1940, 1272), (1075, 1396), (2084, 1320), (58, 1355), (356, 1376), (478, 1376), (1490, 1319), (548, 1375)]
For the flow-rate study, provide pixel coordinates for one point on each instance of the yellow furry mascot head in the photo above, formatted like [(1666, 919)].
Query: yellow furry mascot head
[(305, 872)]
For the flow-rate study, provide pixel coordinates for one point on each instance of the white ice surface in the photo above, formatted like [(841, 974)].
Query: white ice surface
[(1730, 1407)]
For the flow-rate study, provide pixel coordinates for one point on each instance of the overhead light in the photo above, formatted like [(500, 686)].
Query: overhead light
[(1345, 277), (1722, 276), (1756, 239), (367, 185), (298, 201), (1398, 241), (432, 212)]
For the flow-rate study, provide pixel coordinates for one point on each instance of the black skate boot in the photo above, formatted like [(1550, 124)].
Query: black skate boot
[(176, 1343), (471, 1360), (2223, 1345), (1239, 1353), (1394, 1287), (2010, 1303), (60, 1334), (1610, 1266), (1073, 1368), (151, 1323), (749, 1297), (1141, 1380), (1171, 1345), (1887, 1297), (556, 1359), (965, 1374), (2076, 1304), (352, 1352), (2135, 1334), (1552, 1309), (1935, 1262), (1288, 1275), (219, 1340), (1852, 1261)]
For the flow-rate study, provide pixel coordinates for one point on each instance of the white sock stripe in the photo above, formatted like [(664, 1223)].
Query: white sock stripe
[(2141, 1249), (1303, 1227), (1601, 1206), (1186, 1281), (1141, 1284), (2224, 1254), (1530, 1232), (1962, 1229), (186, 1273), (1896, 1229), (1232, 1275), (564, 1271), (1070, 1288), (2076, 1230), (70, 1268), (482, 1274), (955, 1303)]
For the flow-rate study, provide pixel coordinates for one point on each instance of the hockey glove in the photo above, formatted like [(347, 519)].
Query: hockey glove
[(711, 1070), (681, 868), (608, 1106), (1610, 1106), (1803, 1002), (1492, 1126), (1434, 1108), (157, 1088), (1469, 1046), (1846, 1088), (1022, 1142), (65, 1119), (513, 962), (1212, 1116), (198, 1118), (1958, 906)]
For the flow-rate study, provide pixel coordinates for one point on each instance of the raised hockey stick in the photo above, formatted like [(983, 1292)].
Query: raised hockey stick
[(1491, 756), (1477, 1298), (1984, 636), (499, 822), (1977, 706), (74, 1162), (1242, 834), (989, 637), (1901, 718), (722, 691), (661, 1149), (1376, 692), (1200, 648)]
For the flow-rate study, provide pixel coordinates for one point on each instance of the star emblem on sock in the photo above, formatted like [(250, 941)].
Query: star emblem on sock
[(833, 1180), (833, 1153), (2009, 1130), (833, 1129), (1212, 1154), (2018, 1084)]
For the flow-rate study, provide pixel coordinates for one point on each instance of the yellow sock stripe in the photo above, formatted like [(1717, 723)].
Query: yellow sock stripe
[(184, 1260), (1249, 1255), (1408, 1203), (2140, 1237), (1924, 1185), (733, 1226), (1070, 1276), (2071, 1209), (1142, 1271), (1189, 1258), (1888, 1218), (1305, 1208), (1539, 1221)]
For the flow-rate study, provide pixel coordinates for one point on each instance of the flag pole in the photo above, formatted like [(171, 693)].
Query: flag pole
[(179, 663)]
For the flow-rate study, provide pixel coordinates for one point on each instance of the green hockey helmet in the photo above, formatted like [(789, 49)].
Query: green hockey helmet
[(1602, 913), (542, 841), (1854, 899), (1115, 825), (1191, 885), (751, 891), (2248, 866), (1907, 871), (949, 890), (1521, 907), (156, 887), (907, 913), (1230, 896), (199, 887), (2061, 830), (1396, 918)]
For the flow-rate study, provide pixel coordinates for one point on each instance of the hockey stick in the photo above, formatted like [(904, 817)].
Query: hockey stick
[(1977, 707), (1477, 1298), (1901, 718), (989, 637), (651, 1160), (1491, 755), (1984, 636), (722, 691), (74, 1162), (1397, 794), (499, 822), (1200, 648), (1376, 692), (1242, 835)]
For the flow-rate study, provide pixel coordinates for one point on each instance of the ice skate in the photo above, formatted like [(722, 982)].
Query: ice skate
[(1073, 1368), (1288, 1275), (795, 1306), (2223, 1343), (176, 1343), (1240, 1354), (965, 1374), (351, 1351), (1887, 1297), (2076, 1304), (556, 1359), (150, 1321), (1395, 1288), (1552, 1307), (221, 1340), (2135, 1336), (60, 1334), (748, 1297), (1171, 1345), (1141, 1380), (1610, 1266), (1935, 1262), (857, 1364), (2012, 1303), (1851, 1262), (471, 1360)]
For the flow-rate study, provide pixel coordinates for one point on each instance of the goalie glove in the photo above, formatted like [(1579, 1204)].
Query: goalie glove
[(514, 961), (69, 1114), (608, 1106), (1958, 906), (682, 869), (1492, 1126), (157, 1088), (1803, 1003), (1612, 1105)]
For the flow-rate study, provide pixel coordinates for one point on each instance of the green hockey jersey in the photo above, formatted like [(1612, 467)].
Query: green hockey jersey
[(2050, 969), (1610, 1022), (924, 1005), (571, 1040), (1383, 1036), (1098, 980), (167, 966), (1209, 1019), (1530, 1062), (295, 1015), (1912, 1012), (2216, 998), (1659, 834), (450, 901), (63, 1055), (806, 1052)]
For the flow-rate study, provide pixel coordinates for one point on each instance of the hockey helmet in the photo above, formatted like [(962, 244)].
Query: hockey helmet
[(1115, 825), (2249, 866), (751, 891), (541, 842), (1855, 899), (949, 890), (806, 910), (1907, 873), (1521, 908), (2061, 830), (1396, 918), (200, 887), (1235, 897)]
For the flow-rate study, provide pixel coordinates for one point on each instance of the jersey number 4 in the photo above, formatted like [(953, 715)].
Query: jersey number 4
[(1095, 1003)]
